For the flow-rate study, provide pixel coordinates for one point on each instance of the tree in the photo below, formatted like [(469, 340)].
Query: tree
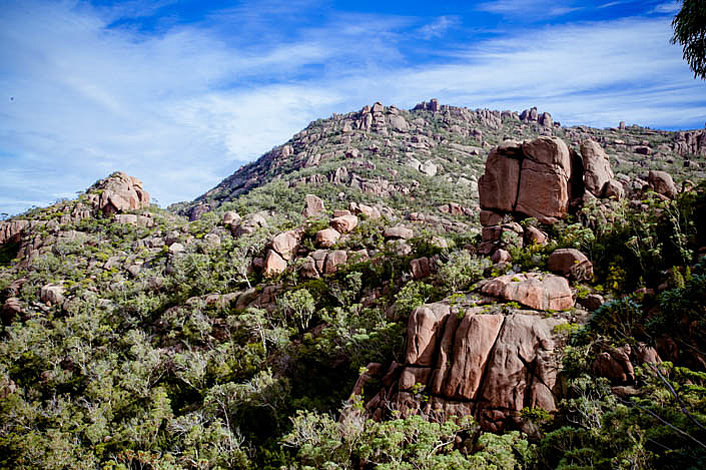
[(690, 31)]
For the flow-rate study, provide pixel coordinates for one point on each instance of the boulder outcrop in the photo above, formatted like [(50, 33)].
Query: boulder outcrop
[(541, 178), (469, 361), (534, 290), (119, 192)]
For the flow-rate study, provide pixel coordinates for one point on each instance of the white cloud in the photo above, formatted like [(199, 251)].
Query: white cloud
[(667, 8), (438, 27), (531, 8)]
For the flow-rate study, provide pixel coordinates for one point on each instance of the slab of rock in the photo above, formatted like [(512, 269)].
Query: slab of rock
[(473, 341), (176, 248), (52, 294), (532, 235), (662, 183), (535, 290), (544, 184), (571, 263), (429, 168), (420, 268), (285, 243), (274, 264), (249, 224), (497, 187), (335, 259), (614, 189), (423, 332), (231, 218), (398, 232), (344, 223), (327, 237), (308, 268), (597, 171), (118, 193), (314, 205), (521, 371)]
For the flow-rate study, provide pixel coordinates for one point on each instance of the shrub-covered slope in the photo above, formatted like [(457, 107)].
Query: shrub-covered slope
[(338, 304)]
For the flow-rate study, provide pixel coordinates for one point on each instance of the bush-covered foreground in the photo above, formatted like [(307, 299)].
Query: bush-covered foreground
[(147, 363)]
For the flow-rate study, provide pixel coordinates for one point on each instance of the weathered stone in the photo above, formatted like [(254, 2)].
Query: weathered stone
[(571, 263), (597, 172), (487, 217), (535, 290), (543, 191), (274, 264), (474, 339), (399, 232), (327, 237), (662, 183), (231, 218), (52, 294), (614, 189), (429, 168), (176, 248), (500, 256), (120, 192), (344, 223), (285, 243), (615, 365), (314, 205), (420, 268), (497, 187), (335, 259), (423, 329), (308, 268), (532, 235)]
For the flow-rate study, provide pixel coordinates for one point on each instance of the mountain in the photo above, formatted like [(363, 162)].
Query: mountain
[(432, 288)]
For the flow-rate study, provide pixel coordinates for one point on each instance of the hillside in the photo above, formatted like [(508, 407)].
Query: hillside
[(433, 288)]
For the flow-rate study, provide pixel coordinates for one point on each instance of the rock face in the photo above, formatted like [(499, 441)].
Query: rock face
[(571, 263), (540, 178), (597, 172), (662, 183), (544, 179), (118, 193), (314, 205), (471, 362), (535, 290)]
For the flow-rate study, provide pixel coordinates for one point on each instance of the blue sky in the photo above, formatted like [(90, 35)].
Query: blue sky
[(181, 93)]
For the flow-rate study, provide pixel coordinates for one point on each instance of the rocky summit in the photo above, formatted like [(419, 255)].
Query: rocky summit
[(437, 287)]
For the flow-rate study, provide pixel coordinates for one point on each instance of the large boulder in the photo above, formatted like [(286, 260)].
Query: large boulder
[(662, 183), (314, 205), (344, 223), (544, 183), (571, 263), (539, 178), (470, 361), (52, 294), (118, 193), (596, 166), (274, 264), (285, 243), (327, 237), (497, 187), (535, 290)]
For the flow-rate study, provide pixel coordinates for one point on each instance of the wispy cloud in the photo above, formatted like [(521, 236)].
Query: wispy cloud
[(438, 27), (534, 8), (667, 7)]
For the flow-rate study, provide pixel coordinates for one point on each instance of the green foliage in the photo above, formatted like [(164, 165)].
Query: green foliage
[(690, 32), (461, 270), (411, 443)]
